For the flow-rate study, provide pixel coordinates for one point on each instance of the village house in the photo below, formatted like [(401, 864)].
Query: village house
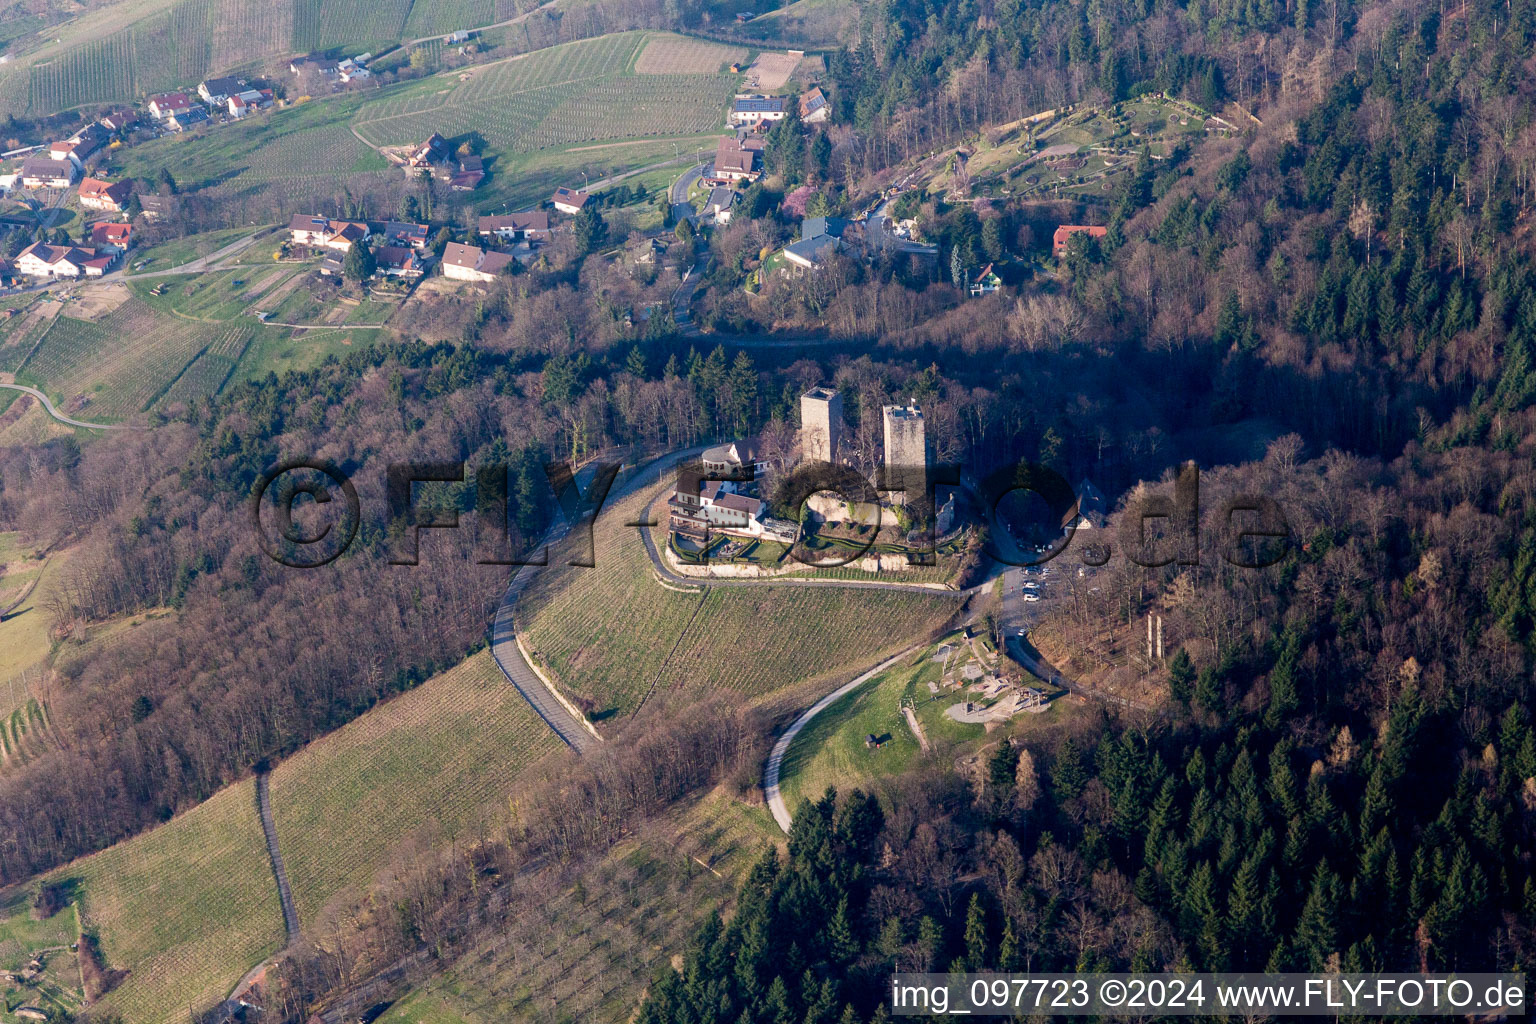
[(985, 282), (119, 120), (244, 102), (312, 64), (400, 233), (735, 458), (719, 205), (472, 263), (112, 237), (186, 119), (733, 161), (813, 106), (516, 227), (327, 234), (753, 110), (470, 174), (568, 200), (433, 151), (820, 237), (217, 90), (46, 172), (1064, 235), (96, 194), (168, 105), (353, 69), (399, 261), (54, 261)]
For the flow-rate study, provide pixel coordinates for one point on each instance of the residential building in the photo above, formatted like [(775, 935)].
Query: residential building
[(157, 207), (435, 150), (313, 64), (1064, 235), (217, 90), (119, 120), (410, 236), (96, 194), (532, 226), (310, 230), (470, 174), (906, 453), (52, 261), (719, 205), (699, 507), (985, 282), (110, 236), (820, 237), (736, 458), (733, 161), (352, 70), (189, 118), (821, 424), (753, 110), (472, 263), (814, 107), (1092, 508), (568, 200), (169, 105), (399, 261), (244, 102), (46, 172)]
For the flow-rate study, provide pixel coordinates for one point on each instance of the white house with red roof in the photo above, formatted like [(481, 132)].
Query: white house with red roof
[(308, 229), (169, 104), (111, 236), (53, 261), (96, 194)]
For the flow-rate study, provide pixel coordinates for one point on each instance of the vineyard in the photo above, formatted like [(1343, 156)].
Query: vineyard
[(120, 364), (187, 907), (207, 374), (613, 634), (679, 55), (322, 24), (577, 92), (422, 765), (98, 72), (436, 17)]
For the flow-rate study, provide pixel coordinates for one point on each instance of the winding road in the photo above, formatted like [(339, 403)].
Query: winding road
[(71, 421)]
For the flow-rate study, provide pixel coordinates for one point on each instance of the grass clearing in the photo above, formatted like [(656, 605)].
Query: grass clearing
[(186, 908), (421, 767), (612, 634), (680, 55)]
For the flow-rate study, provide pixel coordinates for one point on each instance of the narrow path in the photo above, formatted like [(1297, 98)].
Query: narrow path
[(202, 263), (49, 408), (917, 728), (269, 829), (776, 757)]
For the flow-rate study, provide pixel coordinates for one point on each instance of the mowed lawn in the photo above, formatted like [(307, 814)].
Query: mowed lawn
[(185, 908), (416, 770), (613, 634)]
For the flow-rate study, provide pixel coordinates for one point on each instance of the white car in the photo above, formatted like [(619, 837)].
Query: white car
[(1031, 597)]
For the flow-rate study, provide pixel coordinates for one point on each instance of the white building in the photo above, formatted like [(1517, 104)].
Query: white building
[(472, 263)]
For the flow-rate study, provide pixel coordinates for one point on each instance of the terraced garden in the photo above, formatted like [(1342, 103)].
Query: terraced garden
[(613, 635), (422, 766)]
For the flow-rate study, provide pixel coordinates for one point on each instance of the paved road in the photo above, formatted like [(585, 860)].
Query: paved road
[(682, 298), (202, 263), (681, 207), (49, 407), (880, 232)]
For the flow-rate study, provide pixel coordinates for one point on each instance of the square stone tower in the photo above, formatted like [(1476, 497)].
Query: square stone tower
[(821, 424), (906, 453)]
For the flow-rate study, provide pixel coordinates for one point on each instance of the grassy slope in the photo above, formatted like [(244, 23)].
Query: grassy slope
[(609, 633), (425, 763), (186, 907)]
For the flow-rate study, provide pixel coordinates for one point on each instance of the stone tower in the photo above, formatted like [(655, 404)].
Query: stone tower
[(906, 453), (821, 424)]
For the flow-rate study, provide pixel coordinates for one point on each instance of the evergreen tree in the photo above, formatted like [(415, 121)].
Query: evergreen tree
[(360, 264)]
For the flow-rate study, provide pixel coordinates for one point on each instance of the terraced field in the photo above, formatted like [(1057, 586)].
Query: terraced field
[(187, 908), (613, 635), (423, 765), (439, 16), (207, 374), (322, 24)]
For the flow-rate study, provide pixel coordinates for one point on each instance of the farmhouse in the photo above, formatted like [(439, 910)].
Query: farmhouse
[(1064, 235), (352, 70), (752, 110), (985, 282), (397, 261), (112, 237), (312, 64), (42, 260), (569, 200), (169, 105), (434, 150), (733, 161), (217, 90), (472, 263), (96, 194), (814, 107), (516, 227), (410, 236), (329, 234), (45, 172), (119, 120), (719, 206), (470, 174)]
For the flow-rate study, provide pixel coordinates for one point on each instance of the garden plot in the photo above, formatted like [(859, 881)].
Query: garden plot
[(679, 55)]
